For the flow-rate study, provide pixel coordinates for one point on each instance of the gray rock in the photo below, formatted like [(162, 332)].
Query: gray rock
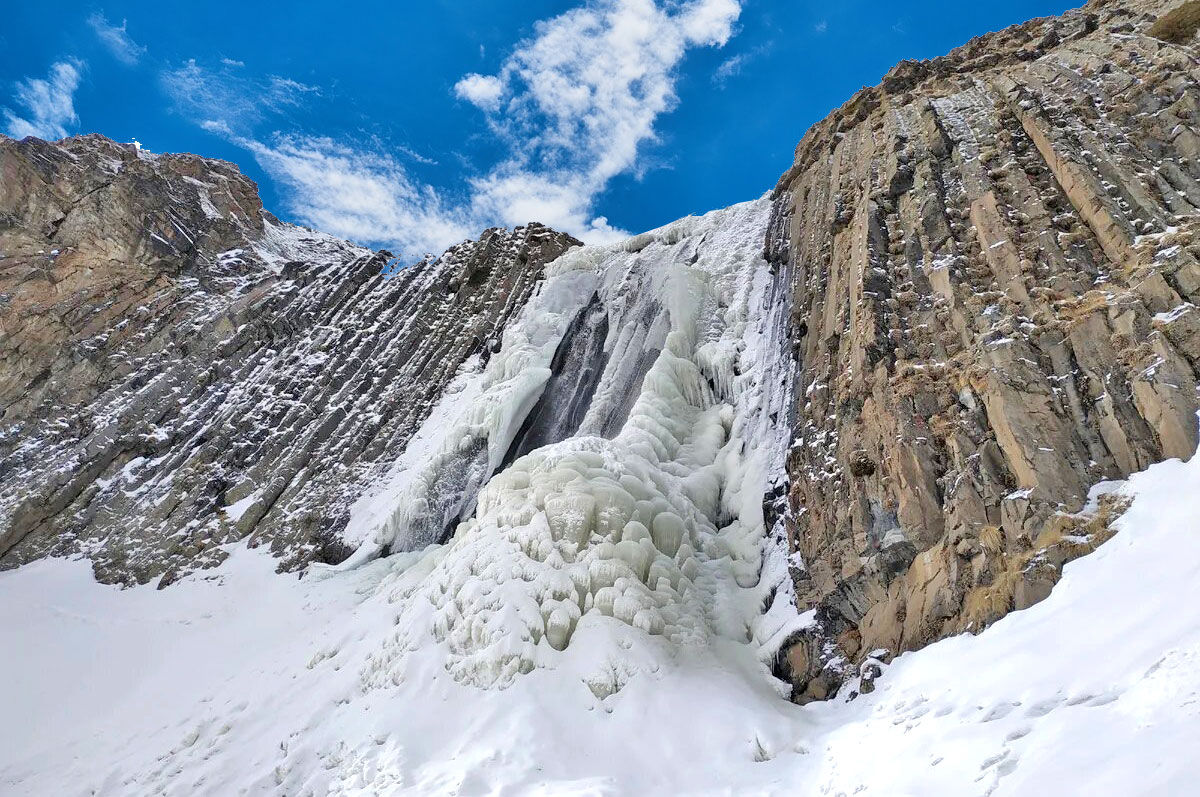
[(180, 370)]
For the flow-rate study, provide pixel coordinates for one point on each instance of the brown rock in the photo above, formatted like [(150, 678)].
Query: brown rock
[(997, 319)]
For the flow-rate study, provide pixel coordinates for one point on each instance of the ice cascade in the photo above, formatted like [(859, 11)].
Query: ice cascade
[(638, 509)]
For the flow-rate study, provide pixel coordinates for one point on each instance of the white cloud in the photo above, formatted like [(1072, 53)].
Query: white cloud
[(711, 22), (228, 96), (232, 62), (116, 39), (49, 104), (586, 90), (481, 90), (573, 106), (357, 194), (821, 26)]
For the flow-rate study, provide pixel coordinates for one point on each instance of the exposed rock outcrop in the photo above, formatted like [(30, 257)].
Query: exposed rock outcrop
[(178, 369), (996, 280)]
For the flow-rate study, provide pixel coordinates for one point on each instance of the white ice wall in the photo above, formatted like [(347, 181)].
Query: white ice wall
[(659, 526)]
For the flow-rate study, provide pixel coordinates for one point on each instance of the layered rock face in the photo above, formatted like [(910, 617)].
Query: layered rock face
[(179, 370), (994, 257)]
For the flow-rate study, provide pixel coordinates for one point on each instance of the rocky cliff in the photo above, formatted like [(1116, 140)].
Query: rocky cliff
[(977, 302), (180, 370), (994, 257)]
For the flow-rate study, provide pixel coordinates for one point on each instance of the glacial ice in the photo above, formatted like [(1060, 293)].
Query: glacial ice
[(654, 521)]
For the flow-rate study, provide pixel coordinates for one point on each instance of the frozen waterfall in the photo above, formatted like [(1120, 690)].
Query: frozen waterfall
[(609, 463)]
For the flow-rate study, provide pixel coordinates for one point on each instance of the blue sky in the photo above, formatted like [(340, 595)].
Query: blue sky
[(414, 125)]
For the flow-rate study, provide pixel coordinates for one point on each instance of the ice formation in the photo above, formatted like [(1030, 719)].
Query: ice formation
[(640, 500)]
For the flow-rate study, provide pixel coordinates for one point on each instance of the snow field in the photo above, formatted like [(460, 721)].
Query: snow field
[(243, 681)]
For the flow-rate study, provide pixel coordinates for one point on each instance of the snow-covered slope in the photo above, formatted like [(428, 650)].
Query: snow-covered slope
[(238, 679)]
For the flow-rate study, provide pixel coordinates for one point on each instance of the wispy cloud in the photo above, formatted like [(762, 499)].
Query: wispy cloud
[(357, 191), (821, 27), (728, 68), (577, 101), (227, 95), (116, 39), (232, 62), (734, 65), (49, 105), (573, 107), (358, 194)]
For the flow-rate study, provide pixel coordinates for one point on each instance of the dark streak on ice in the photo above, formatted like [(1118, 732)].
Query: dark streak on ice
[(575, 370)]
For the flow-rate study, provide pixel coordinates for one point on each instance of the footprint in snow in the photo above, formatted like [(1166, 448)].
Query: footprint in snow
[(1018, 733), (999, 711), (1044, 707)]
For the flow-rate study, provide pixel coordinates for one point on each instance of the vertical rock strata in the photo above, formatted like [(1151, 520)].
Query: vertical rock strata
[(995, 288), (179, 370)]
